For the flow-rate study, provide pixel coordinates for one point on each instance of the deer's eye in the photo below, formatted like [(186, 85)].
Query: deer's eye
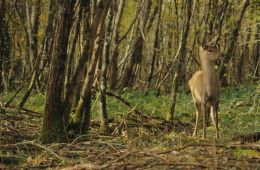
[(210, 50)]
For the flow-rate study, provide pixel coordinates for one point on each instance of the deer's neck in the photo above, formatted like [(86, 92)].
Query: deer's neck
[(210, 79)]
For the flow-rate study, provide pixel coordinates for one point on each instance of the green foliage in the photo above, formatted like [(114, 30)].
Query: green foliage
[(239, 107), (245, 152), (128, 15), (35, 102)]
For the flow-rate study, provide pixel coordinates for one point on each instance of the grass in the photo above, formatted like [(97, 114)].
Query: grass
[(248, 152), (239, 114), (239, 107)]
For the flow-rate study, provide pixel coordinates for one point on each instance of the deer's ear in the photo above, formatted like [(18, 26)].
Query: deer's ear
[(204, 46)]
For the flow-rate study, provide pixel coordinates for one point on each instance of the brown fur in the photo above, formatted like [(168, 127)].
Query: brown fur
[(205, 88)]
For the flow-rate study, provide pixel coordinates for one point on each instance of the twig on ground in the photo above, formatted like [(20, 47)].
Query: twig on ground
[(27, 111), (31, 143), (118, 159)]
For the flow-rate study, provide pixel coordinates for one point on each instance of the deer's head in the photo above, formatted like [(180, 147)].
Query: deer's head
[(209, 52)]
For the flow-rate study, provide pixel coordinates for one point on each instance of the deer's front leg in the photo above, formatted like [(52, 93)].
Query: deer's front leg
[(215, 111)]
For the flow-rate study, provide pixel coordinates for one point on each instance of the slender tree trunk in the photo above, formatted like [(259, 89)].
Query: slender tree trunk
[(241, 59), (181, 55), (33, 25), (156, 45), (34, 45), (2, 40), (115, 45), (256, 54), (135, 56), (5, 45), (73, 86), (231, 46), (103, 78), (67, 103), (53, 128), (81, 118), (90, 32), (48, 39)]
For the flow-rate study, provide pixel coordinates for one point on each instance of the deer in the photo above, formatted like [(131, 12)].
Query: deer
[(205, 87)]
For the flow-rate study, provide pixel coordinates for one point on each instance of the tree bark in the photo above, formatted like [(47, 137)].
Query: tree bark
[(181, 58), (32, 26), (231, 46), (33, 31), (156, 45), (90, 32), (242, 57), (115, 45), (136, 47), (103, 78), (53, 128), (81, 119), (5, 44), (256, 55)]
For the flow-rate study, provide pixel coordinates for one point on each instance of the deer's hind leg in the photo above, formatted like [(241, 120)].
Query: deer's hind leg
[(198, 113)]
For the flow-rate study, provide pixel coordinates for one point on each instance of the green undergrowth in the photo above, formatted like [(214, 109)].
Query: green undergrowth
[(246, 152), (239, 107)]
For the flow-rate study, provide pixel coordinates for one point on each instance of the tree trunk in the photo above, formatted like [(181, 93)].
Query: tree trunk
[(33, 31), (135, 56), (156, 45), (53, 128), (231, 46), (241, 59), (4, 49), (115, 45), (32, 26), (103, 78), (90, 32), (256, 54), (81, 118), (181, 55)]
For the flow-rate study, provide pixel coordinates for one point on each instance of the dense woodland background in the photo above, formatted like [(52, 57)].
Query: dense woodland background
[(74, 53)]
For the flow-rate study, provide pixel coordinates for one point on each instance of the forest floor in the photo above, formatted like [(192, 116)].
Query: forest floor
[(140, 138)]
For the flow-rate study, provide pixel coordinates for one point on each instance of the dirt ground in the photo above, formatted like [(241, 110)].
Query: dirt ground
[(134, 144)]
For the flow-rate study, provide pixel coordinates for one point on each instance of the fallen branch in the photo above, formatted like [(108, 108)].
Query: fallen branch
[(36, 114), (15, 145), (128, 104), (117, 160), (13, 97), (252, 147)]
